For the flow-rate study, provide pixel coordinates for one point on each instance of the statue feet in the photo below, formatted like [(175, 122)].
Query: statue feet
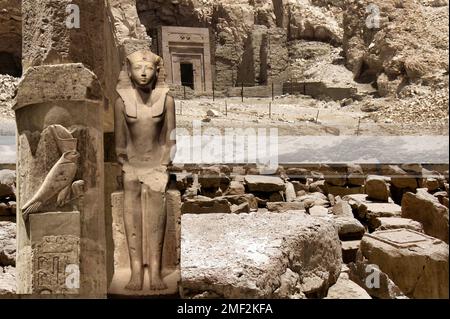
[(136, 281), (156, 282)]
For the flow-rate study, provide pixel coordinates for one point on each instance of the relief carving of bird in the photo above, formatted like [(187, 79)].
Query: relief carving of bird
[(57, 183)]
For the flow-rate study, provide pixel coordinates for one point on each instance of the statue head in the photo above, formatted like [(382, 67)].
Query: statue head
[(143, 68)]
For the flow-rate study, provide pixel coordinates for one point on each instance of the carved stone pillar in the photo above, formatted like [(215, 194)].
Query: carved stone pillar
[(60, 177)]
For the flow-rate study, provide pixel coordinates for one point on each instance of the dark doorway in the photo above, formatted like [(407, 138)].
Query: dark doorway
[(9, 64), (187, 74)]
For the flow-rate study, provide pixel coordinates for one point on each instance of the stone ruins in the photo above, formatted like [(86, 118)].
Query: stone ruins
[(97, 202)]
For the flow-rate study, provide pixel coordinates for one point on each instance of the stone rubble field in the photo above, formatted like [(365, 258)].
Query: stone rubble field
[(306, 232)]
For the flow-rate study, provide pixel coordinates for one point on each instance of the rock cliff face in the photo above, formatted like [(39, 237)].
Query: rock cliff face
[(397, 43), (251, 38)]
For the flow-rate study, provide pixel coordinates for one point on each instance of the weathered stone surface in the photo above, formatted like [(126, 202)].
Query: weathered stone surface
[(417, 263), (349, 228), (385, 223), (212, 177), (290, 192), (317, 211), (355, 175), (426, 209), (432, 184), (343, 190), (317, 186), (7, 183), (7, 244), (400, 178), (334, 176), (372, 210), (250, 199), (281, 207), (206, 205), (245, 256), (7, 280), (314, 199), (377, 188), (300, 186), (342, 209), (345, 288), (349, 250), (258, 183), (236, 188)]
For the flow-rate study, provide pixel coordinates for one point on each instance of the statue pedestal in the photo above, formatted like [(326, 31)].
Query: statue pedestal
[(171, 252)]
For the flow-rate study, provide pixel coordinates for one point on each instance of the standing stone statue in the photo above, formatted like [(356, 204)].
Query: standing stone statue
[(145, 147)]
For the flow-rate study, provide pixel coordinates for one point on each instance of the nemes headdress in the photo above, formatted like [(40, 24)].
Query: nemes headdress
[(144, 56), (125, 88)]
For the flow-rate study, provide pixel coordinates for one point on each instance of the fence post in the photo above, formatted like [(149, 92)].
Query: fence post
[(242, 91), (226, 108), (359, 123), (270, 110), (213, 88), (273, 93), (184, 91), (181, 107), (317, 117)]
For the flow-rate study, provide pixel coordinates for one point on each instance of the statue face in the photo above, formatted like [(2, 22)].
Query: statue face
[(142, 73)]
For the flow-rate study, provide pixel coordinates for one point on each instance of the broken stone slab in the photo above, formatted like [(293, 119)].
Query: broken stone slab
[(7, 183), (335, 175), (442, 197), (416, 263), (317, 186), (212, 113), (344, 288), (290, 192), (298, 174), (300, 186), (376, 283), (267, 184), (343, 190), (426, 209), (342, 209), (400, 178), (281, 207), (355, 175), (317, 211), (240, 209), (7, 243), (235, 188), (377, 188), (213, 177), (7, 280), (432, 184), (349, 228), (206, 205), (349, 250), (250, 199), (245, 255), (385, 223)]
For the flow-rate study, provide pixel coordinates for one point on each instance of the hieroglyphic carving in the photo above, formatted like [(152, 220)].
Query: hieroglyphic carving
[(55, 265)]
